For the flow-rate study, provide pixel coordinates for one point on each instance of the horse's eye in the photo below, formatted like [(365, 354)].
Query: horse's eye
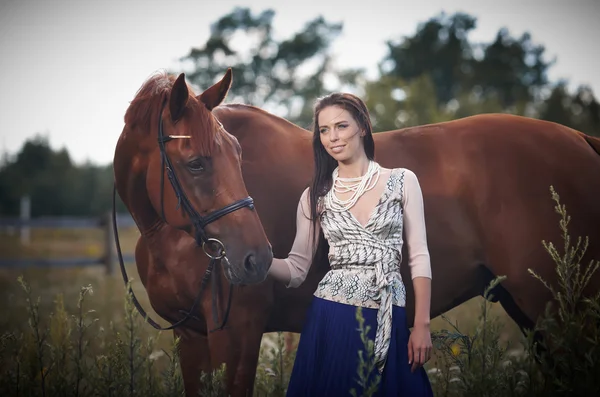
[(196, 165)]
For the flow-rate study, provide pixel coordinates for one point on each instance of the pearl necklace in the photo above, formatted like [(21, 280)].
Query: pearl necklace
[(358, 186)]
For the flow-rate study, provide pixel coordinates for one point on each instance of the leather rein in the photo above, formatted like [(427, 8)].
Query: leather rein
[(217, 252)]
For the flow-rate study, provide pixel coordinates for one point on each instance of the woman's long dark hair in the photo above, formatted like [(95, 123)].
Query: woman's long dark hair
[(324, 163)]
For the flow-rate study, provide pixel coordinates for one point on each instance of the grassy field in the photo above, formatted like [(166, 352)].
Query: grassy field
[(44, 331), (72, 243), (109, 292)]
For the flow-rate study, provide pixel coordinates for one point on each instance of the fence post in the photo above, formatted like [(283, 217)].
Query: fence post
[(110, 254), (24, 229)]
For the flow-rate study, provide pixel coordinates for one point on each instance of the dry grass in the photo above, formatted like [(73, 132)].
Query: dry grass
[(108, 295), (48, 283), (466, 316), (62, 243), (471, 358), (109, 292)]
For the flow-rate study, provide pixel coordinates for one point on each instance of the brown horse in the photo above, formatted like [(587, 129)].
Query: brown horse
[(171, 137), (485, 182)]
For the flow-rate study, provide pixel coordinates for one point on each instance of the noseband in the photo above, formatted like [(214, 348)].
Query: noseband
[(212, 247)]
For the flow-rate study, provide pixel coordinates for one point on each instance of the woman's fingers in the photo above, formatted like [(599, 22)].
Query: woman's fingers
[(419, 352)]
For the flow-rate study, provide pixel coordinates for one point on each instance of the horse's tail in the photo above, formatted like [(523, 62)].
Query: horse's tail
[(593, 141)]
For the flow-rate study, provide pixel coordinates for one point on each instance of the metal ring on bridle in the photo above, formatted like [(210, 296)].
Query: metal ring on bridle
[(220, 248)]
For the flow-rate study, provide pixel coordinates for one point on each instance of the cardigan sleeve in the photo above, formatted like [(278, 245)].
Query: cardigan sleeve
[(293, 269), (414, 225)]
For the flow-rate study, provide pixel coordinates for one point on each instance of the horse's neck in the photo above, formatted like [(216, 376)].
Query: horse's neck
[(241, 119), (146, 217), (130, 177)]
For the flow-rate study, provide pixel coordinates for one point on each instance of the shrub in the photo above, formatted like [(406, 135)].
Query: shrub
[(565, 362), (569, 353), (479, 364), (53, 357)]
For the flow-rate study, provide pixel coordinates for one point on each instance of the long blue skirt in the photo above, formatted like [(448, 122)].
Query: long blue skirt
[(327, 358)]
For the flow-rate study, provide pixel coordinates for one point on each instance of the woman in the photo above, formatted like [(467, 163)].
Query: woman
[(361, 209)]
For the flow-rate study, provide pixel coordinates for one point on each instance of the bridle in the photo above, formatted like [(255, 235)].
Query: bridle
[(216, 253)]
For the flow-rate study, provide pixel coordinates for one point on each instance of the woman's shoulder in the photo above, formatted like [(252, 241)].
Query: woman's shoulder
[(405, 182), (404, 173), (305, 198)]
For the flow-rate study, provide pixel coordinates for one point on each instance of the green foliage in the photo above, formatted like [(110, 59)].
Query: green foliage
[(173, 379), (479, 364), (53, 357), (55, 185), (509, 69), (433, 75), (213, 384), (580, 111), (274, 368), (68, 354), (369, 378), (282, 76), (410, 104), (565, 362), (570, 348), (439, 48), (437, 74)]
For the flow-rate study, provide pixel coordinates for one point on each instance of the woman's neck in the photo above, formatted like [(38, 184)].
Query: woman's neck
[(354, 169)]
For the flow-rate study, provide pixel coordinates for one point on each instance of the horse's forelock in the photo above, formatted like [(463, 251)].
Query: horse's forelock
[(204, 130), (148, 100)]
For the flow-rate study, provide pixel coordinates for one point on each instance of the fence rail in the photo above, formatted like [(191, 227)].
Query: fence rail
[(109, 259), (52, 222)]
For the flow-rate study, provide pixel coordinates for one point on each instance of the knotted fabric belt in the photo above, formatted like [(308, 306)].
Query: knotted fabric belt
[(386, 273)]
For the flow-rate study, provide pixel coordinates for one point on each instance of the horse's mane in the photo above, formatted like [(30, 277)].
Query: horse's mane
[(148, 101), (271, 116)]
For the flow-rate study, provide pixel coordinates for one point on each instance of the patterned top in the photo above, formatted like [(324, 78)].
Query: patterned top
[(365, 260)]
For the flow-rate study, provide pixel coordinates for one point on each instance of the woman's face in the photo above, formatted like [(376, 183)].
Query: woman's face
[(340, 134)]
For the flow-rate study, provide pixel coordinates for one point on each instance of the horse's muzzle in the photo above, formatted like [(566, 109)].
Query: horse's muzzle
[(253, 269)]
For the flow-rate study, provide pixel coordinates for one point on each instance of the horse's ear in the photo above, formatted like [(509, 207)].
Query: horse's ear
[(179, 98), (213, 96)]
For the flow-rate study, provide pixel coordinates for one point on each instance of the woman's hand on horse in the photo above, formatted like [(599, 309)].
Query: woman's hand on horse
[(419, 346)]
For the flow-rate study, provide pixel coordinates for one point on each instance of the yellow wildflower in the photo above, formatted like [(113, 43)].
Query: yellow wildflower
[(455, 349)]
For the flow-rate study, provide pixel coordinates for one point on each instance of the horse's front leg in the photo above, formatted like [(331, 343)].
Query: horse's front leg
[(194, 357), (238, 344)]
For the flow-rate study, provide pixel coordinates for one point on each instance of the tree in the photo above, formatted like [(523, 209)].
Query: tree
[(586, 111), (396, 104), (440, 49), (511, 70), (579, 111), (55, 185), (283, 77), (508, 73)]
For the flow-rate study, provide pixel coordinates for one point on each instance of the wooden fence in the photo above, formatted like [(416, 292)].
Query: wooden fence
[(109, 258)]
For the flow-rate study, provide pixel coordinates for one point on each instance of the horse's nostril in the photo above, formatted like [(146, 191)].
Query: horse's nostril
[(250, 263)]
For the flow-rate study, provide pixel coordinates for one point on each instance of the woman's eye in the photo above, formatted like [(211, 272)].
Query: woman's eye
[(343, 126), (195, 165)]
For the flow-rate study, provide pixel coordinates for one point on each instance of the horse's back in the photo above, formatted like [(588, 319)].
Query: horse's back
[(486, 186), (502, 164), (486, 182)]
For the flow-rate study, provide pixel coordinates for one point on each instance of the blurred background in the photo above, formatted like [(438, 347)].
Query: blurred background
[(70, 68)]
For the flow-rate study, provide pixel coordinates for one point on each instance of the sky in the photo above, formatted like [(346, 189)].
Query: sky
[(70, 68)]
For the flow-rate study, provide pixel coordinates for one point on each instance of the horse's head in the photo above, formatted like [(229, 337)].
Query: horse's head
[(194, 180)]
